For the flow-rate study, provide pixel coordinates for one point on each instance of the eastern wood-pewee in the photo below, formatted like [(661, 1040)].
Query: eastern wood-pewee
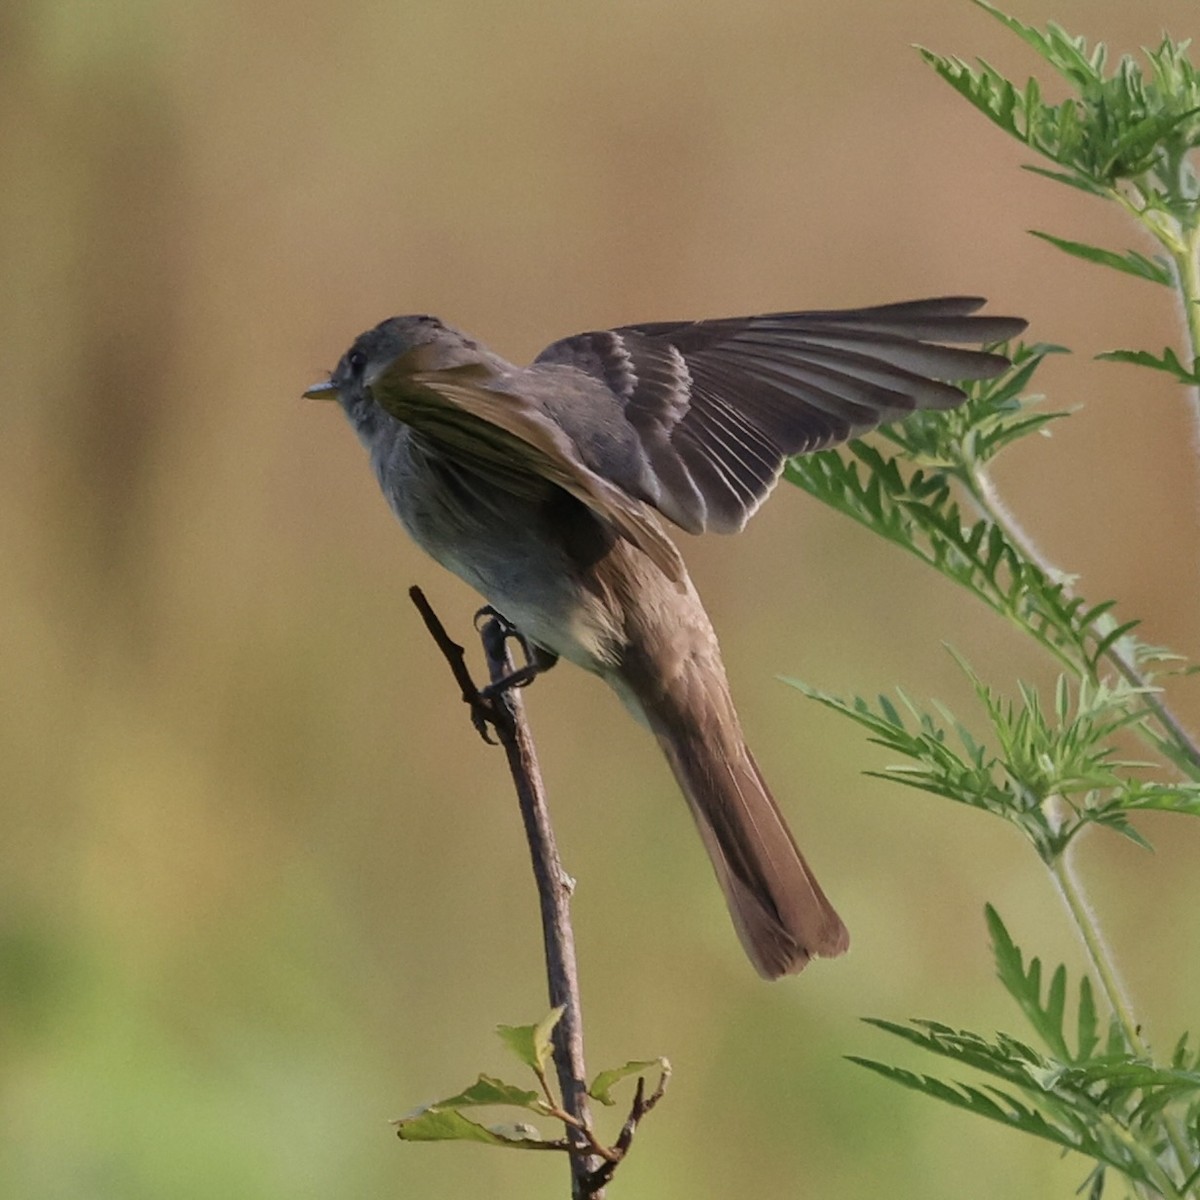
[(543, 487)]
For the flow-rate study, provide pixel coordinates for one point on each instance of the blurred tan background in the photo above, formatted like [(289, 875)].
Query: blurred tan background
[(262, 887)]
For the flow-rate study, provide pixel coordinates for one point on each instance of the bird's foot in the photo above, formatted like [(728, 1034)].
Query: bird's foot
[(495, 625)]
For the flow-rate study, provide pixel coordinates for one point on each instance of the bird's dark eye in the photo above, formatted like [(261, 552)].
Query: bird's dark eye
[(356, 360)]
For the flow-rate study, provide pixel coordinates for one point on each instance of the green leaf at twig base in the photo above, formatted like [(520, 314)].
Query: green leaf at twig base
[(602, 1085), (443, 1120), (435, 1125), (531, 1043)]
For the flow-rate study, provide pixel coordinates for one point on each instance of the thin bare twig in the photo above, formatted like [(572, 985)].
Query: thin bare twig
[(484, 710), (505, 712), (991, 505)]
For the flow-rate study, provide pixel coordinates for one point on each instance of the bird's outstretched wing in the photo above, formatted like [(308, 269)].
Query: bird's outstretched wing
[(481, 423), (718, 406)]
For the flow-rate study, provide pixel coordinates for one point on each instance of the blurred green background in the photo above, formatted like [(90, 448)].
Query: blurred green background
[(262, 888)]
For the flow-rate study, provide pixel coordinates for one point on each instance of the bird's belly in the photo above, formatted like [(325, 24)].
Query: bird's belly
[(503, 546), (546, 606)]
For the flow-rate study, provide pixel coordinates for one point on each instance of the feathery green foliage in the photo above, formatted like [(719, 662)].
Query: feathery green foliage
[(1051, 767)]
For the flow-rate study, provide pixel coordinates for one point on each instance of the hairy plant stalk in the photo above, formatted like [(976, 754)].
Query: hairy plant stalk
[(1087, 925), (991, 505), (1074, 896), (1187, 275)]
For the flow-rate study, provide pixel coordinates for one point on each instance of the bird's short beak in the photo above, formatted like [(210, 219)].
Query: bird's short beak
[(325, 390)]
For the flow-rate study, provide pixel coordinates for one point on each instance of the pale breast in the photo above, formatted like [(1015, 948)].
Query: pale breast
[(507, 547)]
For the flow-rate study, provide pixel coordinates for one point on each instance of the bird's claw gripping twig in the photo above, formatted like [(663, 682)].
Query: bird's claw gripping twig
[(489, 621)]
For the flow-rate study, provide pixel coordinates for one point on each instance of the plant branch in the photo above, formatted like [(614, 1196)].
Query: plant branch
[(1083, 915), (991, 505), (642, 1104), (1075, 898), (484, 711), (504, 711), (554, 887), (1187, 271)]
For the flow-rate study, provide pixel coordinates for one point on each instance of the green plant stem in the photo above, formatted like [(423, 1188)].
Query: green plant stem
[(1088, 926), (1163, 1184), (1181, 241), (990, 505), (1074, 897), (1187, 273)]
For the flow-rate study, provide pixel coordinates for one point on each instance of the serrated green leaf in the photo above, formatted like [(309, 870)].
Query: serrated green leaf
[(601, 1087), (1117, 822), (531, 1043), (1181, 1057), (1110, 639), (1025, 986), (1009, 966), (889, 711), (1071, 180), (1167, 362), (911, 1079), (435, 1125), (1078, 1106), (1087, 1038), (1117, 1044), (1011, 1112), (1130, 262), (1055, 47), (1161, 797), (1054, 1010), (1128, 1075)]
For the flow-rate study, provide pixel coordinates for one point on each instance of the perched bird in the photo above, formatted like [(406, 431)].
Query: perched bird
[(544, 487)]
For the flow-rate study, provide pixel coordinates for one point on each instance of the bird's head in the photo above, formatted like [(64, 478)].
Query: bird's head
[(397, 346)]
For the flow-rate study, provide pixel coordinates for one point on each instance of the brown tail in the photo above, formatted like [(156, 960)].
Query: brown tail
[(779, 910)]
